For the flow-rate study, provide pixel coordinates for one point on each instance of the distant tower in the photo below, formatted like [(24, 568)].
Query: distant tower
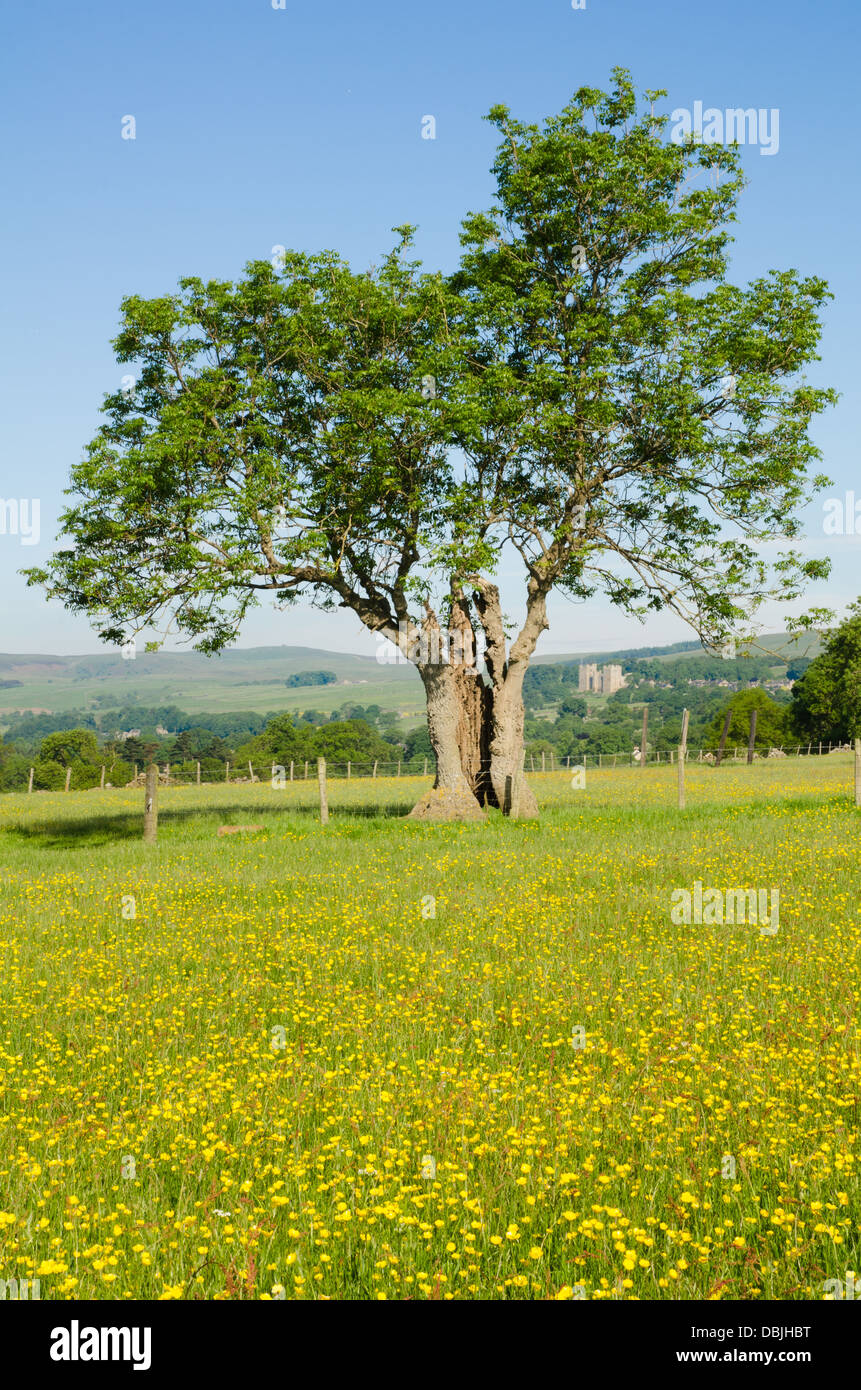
[(589, 679), (611, 680)]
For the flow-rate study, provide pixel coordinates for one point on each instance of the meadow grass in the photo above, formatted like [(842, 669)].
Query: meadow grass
[(346, 1062)]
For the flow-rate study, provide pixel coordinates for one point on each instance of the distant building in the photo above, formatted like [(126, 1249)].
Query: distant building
[(604, 682), (589, 678)]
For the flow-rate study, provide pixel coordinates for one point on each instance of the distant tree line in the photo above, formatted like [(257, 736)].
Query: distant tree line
[(52, 744), (311, 678)]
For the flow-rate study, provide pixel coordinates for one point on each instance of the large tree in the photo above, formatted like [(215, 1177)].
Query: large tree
[(586, 393)]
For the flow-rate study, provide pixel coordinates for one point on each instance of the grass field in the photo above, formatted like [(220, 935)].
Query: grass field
[(344, 1062)]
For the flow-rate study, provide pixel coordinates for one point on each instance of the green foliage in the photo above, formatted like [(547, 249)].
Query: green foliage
[(197, 743), (573, 704), (548, 683), (70, 747), (610, 345), (417, 748), (32, 728), (341, 741), (311, 678), (772, 721), (826, 701), (278, 424), (14, 768), (351, 739), (708, 668)]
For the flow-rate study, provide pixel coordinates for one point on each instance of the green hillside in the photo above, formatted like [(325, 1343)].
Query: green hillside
[(786, 648), (249, 679), (254, 678)]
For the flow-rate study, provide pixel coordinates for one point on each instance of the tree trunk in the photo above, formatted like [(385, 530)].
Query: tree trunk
[(506, 671), (455, 724), (508, 787), (475, 719)]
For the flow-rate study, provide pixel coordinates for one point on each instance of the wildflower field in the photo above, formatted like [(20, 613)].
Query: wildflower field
[(386, 1059)]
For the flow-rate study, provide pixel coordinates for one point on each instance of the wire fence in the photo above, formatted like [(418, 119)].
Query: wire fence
[(280, 774)]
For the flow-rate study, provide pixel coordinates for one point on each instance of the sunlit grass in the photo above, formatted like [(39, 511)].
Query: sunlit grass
[(342, 1062)]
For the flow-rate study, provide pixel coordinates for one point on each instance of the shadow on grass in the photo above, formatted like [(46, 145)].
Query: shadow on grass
[(86, 831)]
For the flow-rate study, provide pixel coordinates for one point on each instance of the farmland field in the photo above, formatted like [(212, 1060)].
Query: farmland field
[(385, 1059)]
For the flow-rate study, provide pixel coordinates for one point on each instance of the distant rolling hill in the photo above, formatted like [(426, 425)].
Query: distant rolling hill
[(240, 679), (784, 647), (254, 678)]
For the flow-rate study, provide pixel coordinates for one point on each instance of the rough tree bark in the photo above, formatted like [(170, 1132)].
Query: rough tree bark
[(456, 699), (476, 724)]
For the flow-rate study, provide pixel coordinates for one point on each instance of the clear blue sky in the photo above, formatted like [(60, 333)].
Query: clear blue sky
[(302, 126)]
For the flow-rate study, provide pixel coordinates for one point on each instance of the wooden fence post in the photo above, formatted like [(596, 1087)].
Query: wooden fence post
[(543, 767), (374, 773), (858, 772), (324, 802), (151, 805), (683, 752), (198, 774), (723, 738), (751, 742), (30, 784), (425, 770), (349, 769), (399, 767), (102, 782), (645, 736), (291, 769), (306, 769), (68, 777)]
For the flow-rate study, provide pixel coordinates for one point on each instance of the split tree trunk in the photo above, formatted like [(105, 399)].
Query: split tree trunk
[(476, 723)]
